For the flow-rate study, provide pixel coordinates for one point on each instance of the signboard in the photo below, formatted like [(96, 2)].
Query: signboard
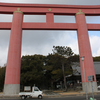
[(27, 88), (91, 78)]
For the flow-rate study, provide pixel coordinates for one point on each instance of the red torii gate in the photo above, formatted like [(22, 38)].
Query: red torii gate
[(12, 77)]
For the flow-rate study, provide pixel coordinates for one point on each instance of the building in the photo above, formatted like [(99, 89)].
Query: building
[(77, 71)]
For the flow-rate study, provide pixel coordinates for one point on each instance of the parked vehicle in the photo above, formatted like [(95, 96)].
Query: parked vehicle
[(98, 87), (36, 93)]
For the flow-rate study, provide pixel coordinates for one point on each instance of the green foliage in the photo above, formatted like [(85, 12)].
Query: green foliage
[(32, 70), (65, 58), (2, 77), (96, 58), (74, 58), (53, 67), (63, 51), (44, 70), (57, 74)]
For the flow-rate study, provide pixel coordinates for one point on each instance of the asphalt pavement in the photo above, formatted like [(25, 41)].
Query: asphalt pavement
[(57, 98), (55, 94)]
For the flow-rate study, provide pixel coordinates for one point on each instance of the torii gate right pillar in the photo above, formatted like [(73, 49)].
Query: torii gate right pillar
[(85, 50)]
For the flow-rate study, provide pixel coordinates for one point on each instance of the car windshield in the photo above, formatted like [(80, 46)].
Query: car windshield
[(36, 89)]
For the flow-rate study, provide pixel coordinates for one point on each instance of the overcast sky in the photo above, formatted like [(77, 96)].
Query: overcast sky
[(42, 41)]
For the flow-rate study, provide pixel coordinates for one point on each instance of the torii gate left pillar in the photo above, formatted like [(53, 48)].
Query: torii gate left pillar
[(12, 77)]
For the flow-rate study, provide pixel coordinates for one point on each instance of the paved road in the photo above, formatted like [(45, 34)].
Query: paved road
[(60, 98)]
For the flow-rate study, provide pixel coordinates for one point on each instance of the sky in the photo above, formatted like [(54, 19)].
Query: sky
[(42, 41)]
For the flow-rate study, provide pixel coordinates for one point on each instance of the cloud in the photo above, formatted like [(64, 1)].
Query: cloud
[(98, 52), (4, 43), (93, 19), (43, 41), (94, 40), (34, 18), (76, 2), (3, 56), (6, 17)]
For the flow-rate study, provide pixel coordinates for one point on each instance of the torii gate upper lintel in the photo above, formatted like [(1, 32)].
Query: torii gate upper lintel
[(12, 77)]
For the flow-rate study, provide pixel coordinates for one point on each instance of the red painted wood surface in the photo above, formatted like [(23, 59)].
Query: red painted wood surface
[(84, 48), (14, 53), (47, 26), (8, 8)]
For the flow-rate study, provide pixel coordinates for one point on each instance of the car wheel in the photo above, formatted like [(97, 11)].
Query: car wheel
[(40, 96), (23, 97)]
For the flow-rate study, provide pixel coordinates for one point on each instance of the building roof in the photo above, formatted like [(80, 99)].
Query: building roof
[(77, 70)]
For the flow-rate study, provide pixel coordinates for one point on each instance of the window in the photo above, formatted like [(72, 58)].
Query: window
[(36, 89)]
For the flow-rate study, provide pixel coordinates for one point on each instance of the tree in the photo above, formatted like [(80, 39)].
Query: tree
[(32, 70), (96, 58), (74, 58), (53, 69), (65, 53), (2, 77)]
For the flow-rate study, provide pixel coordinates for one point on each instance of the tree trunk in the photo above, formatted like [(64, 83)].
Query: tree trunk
[(64, 77), (52, 85)]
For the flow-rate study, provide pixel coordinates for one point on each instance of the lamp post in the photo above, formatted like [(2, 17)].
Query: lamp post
[(82, 58)]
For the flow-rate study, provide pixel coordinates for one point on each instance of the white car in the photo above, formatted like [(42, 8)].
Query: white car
[(36, 93), (98, 87)]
